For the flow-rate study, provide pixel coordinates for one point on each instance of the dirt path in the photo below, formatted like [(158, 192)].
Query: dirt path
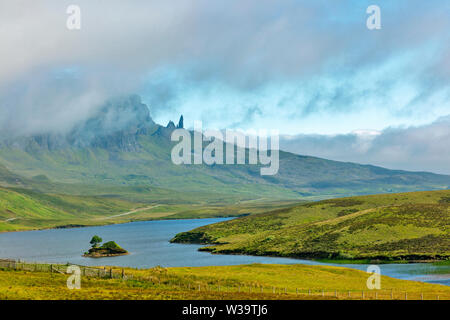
[(246, 201), (129, 212)]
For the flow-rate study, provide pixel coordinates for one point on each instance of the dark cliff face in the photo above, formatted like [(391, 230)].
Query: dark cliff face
[(116, 125)]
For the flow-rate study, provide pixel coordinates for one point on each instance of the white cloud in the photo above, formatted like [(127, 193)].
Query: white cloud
[(244, 47), (421, 148)]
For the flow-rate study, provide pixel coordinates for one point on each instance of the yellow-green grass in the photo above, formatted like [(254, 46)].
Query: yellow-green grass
[(315, 278), (406, 226), (27, 210), (228, 282), (24, 209)]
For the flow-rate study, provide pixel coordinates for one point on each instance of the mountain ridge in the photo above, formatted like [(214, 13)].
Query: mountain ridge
[(121, 145)]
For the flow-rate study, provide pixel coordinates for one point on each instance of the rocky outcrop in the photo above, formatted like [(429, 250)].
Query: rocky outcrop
[(165, 132), (108, 249), (171, 125), (180, 123)]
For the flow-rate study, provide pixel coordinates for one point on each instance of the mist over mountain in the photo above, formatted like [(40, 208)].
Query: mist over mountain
[(121, 145), (116, 124)]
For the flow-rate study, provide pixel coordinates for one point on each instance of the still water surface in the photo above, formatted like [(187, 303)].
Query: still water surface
[(149, 246)]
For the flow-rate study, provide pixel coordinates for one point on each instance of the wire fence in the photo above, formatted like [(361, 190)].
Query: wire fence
[(93, 272), (159, 278)]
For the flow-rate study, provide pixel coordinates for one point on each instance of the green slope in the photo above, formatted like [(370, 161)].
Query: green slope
[(130, 166), (40, 203), (151, 166), (26, 210), (106, 150), (140, 193), (406, 226), (298, 177)]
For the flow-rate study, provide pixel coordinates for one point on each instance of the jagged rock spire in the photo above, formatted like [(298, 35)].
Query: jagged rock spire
[(180, 123), (171, 125)]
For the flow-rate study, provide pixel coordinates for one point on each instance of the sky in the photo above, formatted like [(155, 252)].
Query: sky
[(310, 69)]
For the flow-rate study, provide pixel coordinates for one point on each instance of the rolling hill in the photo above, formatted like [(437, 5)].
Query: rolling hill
[(404, 226), (38, 203), (26, 210)]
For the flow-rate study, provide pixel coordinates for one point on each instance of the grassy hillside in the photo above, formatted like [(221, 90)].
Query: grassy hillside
[(229, 282), (151, 165), (132, 160), (140, 193), (405, 226), (37, 202), (26, 209)]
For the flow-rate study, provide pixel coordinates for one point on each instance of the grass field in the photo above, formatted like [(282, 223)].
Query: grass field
[(25, 209), (406, 226), (38, 203), (230, 282)]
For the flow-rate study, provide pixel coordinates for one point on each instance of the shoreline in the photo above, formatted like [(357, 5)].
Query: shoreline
[(77, 226), (331, 261), (205, 249), (105, 255)]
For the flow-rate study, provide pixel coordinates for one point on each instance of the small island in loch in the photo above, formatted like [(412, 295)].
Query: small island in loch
[(108, 249)]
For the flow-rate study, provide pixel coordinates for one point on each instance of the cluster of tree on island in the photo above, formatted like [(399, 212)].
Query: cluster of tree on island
[(107, 249)]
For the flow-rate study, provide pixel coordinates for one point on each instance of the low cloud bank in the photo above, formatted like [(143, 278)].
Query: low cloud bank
[(422, 148)]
